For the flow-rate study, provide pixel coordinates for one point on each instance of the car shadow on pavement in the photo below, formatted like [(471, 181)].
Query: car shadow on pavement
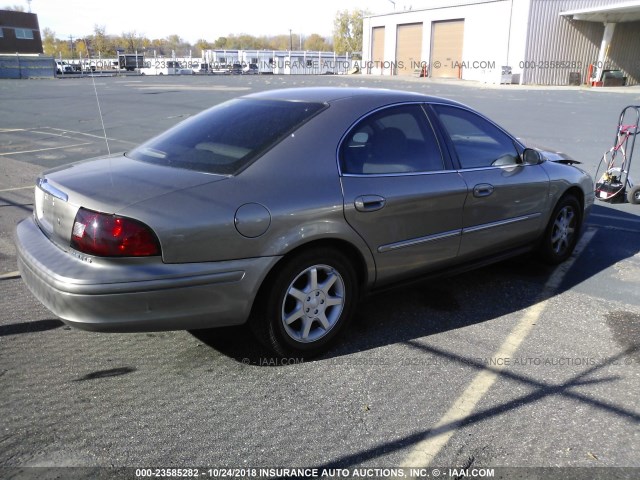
[(29, 327), (612, 227), (237, 343)]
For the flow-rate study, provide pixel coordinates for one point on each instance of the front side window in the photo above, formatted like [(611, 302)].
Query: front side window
[(227, 137), (477, 142), (394, 140), (1, 33), (24, 33)]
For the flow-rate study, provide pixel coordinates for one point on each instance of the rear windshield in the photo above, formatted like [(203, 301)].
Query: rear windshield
[(227, 137)]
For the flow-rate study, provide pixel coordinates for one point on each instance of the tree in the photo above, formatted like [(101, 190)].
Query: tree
[(14, 8), (202, 45), (81, 48), (53, 46), (220, 43), (176, 45), (101, 44), (63, 49), (316, 42), (158, 46), (347, 31), (49, 42), (247, 42), (279, 42), (132, 41)]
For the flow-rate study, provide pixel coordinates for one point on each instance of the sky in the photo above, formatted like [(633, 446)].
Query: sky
[(195, 19)]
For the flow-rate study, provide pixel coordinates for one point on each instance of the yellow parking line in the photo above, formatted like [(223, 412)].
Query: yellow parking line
[(425, 451)]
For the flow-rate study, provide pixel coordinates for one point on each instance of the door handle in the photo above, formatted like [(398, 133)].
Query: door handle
[(482, 190), (369, 203)]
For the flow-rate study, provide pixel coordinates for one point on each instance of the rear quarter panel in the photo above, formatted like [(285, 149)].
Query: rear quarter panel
[(297, 182)]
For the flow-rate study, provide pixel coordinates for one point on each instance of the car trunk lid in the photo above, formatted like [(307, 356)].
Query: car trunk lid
[(107, 185)]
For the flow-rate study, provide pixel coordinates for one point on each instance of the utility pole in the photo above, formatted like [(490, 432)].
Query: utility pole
[(290, 41), (71, 44)]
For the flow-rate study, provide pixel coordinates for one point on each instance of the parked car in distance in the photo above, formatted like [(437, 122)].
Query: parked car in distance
[(250, 69), (201, 68), (281, 208), (63, 67)]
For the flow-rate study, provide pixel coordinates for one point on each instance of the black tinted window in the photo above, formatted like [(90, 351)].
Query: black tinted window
[(478, 143), (226, 138), (394, 140)]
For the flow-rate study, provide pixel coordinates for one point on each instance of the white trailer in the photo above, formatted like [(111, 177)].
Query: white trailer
[(282, 62), (161, 67)]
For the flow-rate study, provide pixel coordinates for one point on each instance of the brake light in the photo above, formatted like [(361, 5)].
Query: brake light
[(106, 235)]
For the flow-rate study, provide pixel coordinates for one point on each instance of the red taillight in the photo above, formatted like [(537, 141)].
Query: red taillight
[(105, 235)]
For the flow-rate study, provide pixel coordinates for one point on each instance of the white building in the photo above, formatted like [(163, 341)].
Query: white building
[(553, 42)]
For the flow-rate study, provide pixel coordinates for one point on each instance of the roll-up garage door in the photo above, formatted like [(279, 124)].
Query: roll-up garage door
[(446, 50), (377, 46), (408, 48)]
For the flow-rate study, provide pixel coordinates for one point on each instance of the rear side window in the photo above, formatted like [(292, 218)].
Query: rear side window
[(478, 142), (395, 140), (226, 138)]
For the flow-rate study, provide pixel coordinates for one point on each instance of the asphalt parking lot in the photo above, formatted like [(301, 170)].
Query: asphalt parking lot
[(515, 365)]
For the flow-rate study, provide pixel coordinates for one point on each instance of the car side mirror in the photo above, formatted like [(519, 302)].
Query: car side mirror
[(531, 157)]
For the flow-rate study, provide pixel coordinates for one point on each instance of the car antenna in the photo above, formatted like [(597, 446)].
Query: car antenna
[(104, 130)]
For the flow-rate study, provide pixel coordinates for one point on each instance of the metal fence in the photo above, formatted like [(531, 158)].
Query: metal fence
[(26, 66)]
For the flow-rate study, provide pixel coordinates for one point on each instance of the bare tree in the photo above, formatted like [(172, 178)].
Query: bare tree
[(101, 44), (132, 41)]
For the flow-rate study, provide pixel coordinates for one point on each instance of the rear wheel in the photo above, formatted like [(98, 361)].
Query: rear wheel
[(633, 195), (305, 304), (562, 232)]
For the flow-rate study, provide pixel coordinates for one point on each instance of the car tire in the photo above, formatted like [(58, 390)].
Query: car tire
[(562, 232), (306, 302), (633, 195)]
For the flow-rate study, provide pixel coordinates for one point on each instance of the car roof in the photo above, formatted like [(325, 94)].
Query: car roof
[(331, 94)]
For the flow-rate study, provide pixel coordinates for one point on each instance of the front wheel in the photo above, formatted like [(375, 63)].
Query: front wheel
[(633, 195), (306, 303), (562, 232)]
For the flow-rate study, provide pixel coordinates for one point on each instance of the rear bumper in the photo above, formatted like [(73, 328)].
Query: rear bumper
[(137, 294)]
